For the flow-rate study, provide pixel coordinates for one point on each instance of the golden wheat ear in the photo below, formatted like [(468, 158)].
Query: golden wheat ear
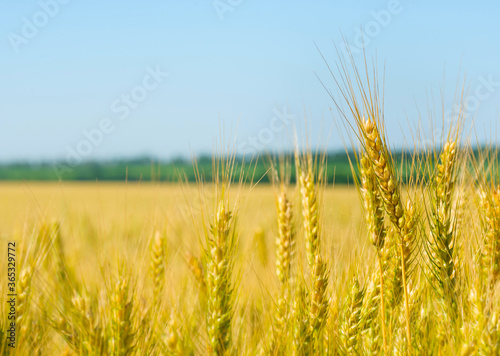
[(490, 256), (318, 311), (157, 266), (275, 343), (374, 217), (310, 213), (218, 264), (196, 267), (352, 317), (260, 242), (285, 241), (122, 341), (403, 218), (366, 117), (311, 179), (23, 295), (300, 320)]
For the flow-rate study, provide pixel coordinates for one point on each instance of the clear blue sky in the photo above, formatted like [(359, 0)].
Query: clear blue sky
[(63, 68)]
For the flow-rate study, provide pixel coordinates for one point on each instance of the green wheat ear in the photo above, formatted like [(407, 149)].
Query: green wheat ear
[(157, 265)]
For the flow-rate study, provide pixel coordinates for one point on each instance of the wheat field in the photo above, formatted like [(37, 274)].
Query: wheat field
[(123, 268), (105, 224), (404, 262)]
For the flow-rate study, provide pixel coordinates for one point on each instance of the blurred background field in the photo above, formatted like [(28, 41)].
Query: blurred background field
[(101, 222)]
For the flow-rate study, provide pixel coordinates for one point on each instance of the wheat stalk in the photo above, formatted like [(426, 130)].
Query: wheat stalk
[(278, 333), (122, 340), (369, 326), (319, 300), (352, 319), (91, 335), (173, 336), (310, 212), (286, 237), (259, 240), (441, 247), (284, 255), (196, 268), (404, 221), (318, 311), (392, 272), (300, 322), (374, 215), (219, 289), (23, 296), (490, 258), (158, 252)]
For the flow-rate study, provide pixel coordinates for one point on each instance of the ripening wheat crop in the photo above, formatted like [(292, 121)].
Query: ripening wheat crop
[(406, 261)]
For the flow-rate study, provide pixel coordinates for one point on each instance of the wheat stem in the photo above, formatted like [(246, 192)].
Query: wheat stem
[(382, 302)]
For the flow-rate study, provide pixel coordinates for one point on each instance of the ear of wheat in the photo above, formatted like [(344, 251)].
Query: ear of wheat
[(286, 237), (374, 216), (219, 289), (157, 265), (403, 220), (442, 240), (318, 311), (310, 212), (122, 329), (196, 268), (352, 319), (490, 258)]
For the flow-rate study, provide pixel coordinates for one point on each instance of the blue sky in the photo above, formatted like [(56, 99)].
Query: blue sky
[(68, 67)]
